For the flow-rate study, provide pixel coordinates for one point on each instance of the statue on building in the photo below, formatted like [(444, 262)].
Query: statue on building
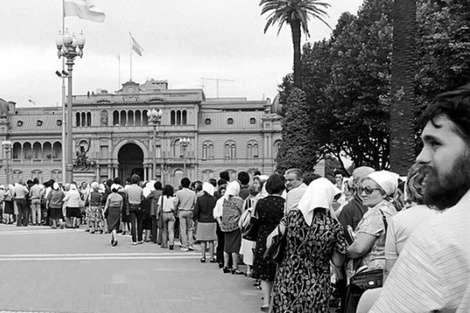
[(82, 158), (104, 118)]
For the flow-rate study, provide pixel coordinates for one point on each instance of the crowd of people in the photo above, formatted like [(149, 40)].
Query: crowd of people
[(412, 236)]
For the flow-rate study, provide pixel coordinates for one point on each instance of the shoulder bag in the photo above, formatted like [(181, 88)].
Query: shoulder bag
[(276, 251), (250, 231)]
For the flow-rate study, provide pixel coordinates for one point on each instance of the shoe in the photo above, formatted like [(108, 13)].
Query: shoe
[(264, 308), (123, 233), (221, 265), (191, 248), (101, 231), (236, 271), (184, 249), (226, 270), (134, 243), (61, 226), (171, 247), (203, 260), (112, 242), (212, 260), (115, 243), (140, 242), (147, 240), (248, 274), (92, 232), (87, 230)]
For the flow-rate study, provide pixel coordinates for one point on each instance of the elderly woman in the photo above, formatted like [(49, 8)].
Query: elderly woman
[(54, 203), (112, 210), (206, 224), (368, 249), (72, 206), (227, 212), (314, 238), (269, 210)]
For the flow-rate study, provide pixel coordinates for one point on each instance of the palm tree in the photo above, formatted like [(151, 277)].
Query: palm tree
[(402, 142), (296, 13)]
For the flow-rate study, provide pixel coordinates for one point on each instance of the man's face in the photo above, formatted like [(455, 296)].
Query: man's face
[(339, 179), (292, 181), (447, 155)]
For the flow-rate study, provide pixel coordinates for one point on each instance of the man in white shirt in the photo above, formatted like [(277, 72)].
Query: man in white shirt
[(433, 272), (295, 188)]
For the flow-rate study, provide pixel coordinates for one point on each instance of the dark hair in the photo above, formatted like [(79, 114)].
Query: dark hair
[(128, 179), (221, 182), (198, 185), (275, 184), (338, 172), (244, 178), (213, 182), (157, 185), (117, 180), (185, 182), (310, 177), (109, 182), (225, 175), (168, 191), (135, 178), (415, 182), (257, 173), (35, 181), (453, 104)]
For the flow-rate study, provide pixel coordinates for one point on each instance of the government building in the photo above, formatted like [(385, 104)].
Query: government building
[(113, 137)]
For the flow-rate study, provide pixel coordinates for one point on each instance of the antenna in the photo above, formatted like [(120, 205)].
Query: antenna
[(217, 81)]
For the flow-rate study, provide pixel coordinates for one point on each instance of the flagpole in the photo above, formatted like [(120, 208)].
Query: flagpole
[(119, 71), (130, 53), (63, 100)]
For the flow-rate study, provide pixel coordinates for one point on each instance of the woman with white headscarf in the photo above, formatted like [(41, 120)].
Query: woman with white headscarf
[(368, 249), (9, 209), (54, 202), (228, 210), (314, 237), (206, 223), (72, 206)]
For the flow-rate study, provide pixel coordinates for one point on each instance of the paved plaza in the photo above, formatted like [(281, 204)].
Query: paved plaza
[(46, 270)]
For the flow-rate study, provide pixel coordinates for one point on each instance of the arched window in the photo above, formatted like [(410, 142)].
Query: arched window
[(252, 150), (16, 150), (47, 150), (83, 119), (130, 118), (145, 118), (138, 118), (27, 151), (57, 150), (123, 118), (277, 144), (88, 119), (230, 150), (77, 119), (208, 150), (37, 151), (178, 117), (115, 118), (177, 149), (185, 117), (173, 117)]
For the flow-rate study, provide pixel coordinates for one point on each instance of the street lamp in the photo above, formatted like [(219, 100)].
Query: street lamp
[(6, 144), (184, 143), (67, 48), (155, 118)]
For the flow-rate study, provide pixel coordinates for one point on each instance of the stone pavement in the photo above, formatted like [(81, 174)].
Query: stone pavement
[(45, 270)]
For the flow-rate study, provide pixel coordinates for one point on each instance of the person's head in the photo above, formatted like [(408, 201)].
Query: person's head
[(185, 182), (293, 178), (135, 179), (213, 182), (225, 175), (257, 173), (118, 181), (310, 177), (339, 177), (415, 183), (446, 148), (221, 182), (378, 186), (244, 178), (128, 181), (73, 187), (168, 191), (275, 184), (157, 185), (109, 183), (359, 174), (55, 186), (198, 186), (35, 181), (95, 186), (222, 189)]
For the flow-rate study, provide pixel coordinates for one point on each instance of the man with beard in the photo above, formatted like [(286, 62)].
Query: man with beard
[(433, 272)]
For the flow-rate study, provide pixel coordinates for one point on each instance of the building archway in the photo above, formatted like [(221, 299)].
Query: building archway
[(130, 159)]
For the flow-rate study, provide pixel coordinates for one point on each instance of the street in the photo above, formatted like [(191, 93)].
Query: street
[(46, 270)]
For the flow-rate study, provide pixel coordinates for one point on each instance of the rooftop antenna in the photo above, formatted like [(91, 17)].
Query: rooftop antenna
[(217, 81)]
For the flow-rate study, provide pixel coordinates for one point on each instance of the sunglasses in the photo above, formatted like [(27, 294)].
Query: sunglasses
[(367, 190)]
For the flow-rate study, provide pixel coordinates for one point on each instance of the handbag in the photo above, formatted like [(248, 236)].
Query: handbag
[(250, 231), (276, 251)]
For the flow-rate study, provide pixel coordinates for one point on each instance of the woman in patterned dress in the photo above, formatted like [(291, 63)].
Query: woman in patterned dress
[(314, 238)]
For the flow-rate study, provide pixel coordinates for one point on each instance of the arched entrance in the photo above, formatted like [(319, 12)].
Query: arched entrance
[(131, 159)]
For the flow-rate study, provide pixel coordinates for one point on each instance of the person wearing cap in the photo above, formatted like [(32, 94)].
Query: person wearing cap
[(369, 245)]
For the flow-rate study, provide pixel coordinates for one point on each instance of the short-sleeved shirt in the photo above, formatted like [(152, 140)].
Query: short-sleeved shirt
[(372, 224), (185, 199), (135, 194), (168, 204), (55, 198)]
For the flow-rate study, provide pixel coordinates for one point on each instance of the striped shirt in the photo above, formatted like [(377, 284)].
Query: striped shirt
[(433, 271)]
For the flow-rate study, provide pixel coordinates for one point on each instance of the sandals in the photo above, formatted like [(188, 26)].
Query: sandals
[(236, 271), (212, 260)]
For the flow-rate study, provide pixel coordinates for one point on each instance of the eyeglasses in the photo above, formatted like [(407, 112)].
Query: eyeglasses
[(368, 190)]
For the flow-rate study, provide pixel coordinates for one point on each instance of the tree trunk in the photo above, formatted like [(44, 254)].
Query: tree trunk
[(402, 140), (296, 35)]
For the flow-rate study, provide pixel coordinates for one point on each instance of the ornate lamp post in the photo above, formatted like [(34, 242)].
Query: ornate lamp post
[(6, 144), (67, 47), (155, 118), (184, 143)]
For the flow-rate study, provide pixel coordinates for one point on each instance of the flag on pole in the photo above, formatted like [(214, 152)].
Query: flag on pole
[(83, 9), (136, 47)]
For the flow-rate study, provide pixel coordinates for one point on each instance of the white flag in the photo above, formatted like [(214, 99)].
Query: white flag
[(83, 9), (136, 47)]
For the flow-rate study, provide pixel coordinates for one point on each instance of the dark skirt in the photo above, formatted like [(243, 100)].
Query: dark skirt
[(73, 212), (56, 213), (233, 241), (113, 218), (9, 207)]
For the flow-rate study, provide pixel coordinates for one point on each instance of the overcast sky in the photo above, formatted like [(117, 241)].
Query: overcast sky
[(183, 41)]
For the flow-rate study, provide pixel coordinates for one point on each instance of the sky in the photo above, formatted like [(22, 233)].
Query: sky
[(183, 41)]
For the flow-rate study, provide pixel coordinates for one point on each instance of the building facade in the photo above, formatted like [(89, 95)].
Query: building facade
[(113, 136)]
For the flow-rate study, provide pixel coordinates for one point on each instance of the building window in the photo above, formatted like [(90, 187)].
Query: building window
[(185, 117), (173, 117), (178, 117), (208, 151), (230, 150), (88, 119), (77, 119), (252, 120), (116, 118), (230, 121), (253, 151), (83, 119), (208, 121)]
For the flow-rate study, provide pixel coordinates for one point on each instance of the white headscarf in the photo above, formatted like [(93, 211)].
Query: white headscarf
[(209, 188), (319, 194), (388, 181), (73, 187), (55, 186), (233, 189)]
